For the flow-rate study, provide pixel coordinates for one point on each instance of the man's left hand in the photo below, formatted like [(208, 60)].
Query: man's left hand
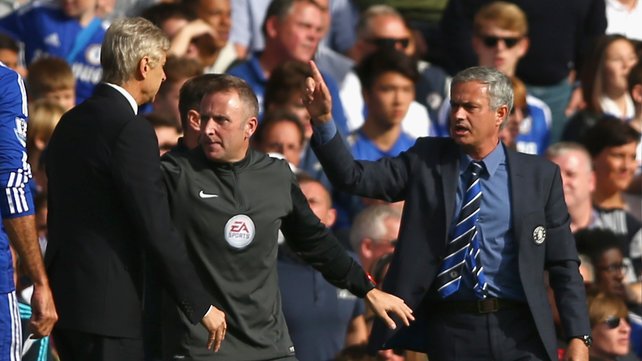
[(43, 315), (382, 303)]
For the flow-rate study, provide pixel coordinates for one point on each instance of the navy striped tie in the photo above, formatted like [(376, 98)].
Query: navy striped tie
[(463, 248)]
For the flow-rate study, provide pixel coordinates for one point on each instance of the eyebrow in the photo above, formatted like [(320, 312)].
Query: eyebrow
[(454, 103), (216, 117)]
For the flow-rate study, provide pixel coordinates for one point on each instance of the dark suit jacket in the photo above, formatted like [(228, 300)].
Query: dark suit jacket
[(426, 177), (107, 204)]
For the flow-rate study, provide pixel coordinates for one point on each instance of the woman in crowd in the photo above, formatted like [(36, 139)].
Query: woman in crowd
[(610, 329), (605, 85)]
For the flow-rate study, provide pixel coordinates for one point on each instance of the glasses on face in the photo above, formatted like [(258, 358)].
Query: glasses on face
[(615, 268), (612, 322), (390, 43), (492, 41)]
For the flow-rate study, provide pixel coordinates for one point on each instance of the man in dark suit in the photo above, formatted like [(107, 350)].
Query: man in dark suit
[(107, 205), (498, 214)]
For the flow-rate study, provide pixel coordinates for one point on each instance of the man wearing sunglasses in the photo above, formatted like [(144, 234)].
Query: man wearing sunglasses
[(500, 40), (381, 27), (561, 33)]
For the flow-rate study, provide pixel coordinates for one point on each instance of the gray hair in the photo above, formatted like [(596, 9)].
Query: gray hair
[(370, 223), (561, 148), (499, 86), (126, 42), (374, 11)]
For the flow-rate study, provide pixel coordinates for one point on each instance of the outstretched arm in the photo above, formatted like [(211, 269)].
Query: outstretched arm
[(383, 303)]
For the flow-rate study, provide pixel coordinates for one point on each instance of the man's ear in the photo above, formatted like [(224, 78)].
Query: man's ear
[(331, 217), (476, 43), (194, 120), (271, 25), (250, 127), (366, 248), (39, 143), (143, 67), (502, 115), (365, 95), (523, 45), (636, 93)]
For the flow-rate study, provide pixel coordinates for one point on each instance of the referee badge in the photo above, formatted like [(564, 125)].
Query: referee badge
[(239, 231), (539, 235)]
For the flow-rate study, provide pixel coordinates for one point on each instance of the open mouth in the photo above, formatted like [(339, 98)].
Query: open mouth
[(459, 129)]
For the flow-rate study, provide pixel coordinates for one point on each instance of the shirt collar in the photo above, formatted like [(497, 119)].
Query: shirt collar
[(491, 161), (125, 93)]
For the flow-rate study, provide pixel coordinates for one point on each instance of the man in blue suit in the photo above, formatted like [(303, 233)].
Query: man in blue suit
[(480, 226)]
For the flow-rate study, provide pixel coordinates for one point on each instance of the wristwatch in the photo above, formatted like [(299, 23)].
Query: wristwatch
[(587, 339)]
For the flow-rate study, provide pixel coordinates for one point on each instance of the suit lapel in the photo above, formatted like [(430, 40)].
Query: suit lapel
[(448, 170), (516, 180)]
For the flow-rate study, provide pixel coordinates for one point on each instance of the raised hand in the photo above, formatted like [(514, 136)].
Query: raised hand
[(382, 303), (316, 97)]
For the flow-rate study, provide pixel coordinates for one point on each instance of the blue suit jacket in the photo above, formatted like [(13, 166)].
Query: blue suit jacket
[(426, 177)]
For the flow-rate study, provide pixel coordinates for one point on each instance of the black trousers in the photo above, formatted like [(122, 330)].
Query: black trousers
[(505, 335), (81, 346)]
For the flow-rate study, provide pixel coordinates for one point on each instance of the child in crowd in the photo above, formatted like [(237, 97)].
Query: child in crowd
[(51, 78), (43, 118)]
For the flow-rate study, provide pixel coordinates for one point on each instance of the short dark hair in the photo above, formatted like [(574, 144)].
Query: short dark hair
[(383, 61), (594, 242), (191, 94), (179, 68), (162, 121), (271, 118), (161, 12), (608, 132), (227, 83), (280, 9), (7, 42), (285, 81)]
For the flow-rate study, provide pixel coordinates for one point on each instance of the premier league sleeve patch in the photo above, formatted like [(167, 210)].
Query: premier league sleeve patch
[(239, 231)]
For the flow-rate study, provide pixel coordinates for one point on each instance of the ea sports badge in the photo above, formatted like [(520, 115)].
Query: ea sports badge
[(239, 231)]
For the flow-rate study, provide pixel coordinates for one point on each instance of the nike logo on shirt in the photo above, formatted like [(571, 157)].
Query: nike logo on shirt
[(206, 195)]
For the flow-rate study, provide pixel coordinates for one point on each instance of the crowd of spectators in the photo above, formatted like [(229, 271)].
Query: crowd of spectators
[(578, 102)]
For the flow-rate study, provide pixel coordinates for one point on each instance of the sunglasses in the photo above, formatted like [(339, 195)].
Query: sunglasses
[(390, 43), (612, 322), (615, 268), (492, 41)]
